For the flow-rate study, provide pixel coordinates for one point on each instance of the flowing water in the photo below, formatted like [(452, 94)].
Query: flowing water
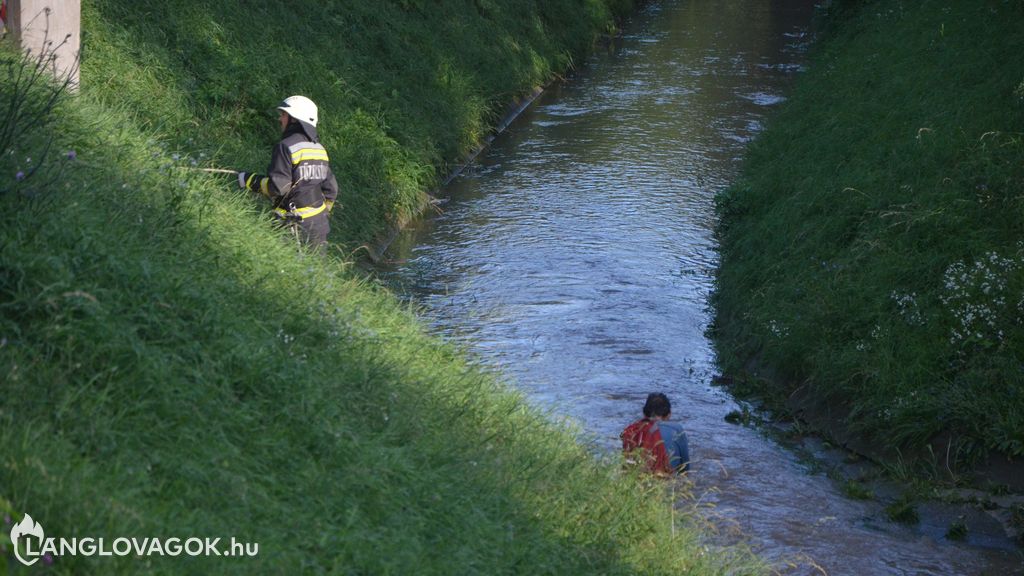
[(577, 255)]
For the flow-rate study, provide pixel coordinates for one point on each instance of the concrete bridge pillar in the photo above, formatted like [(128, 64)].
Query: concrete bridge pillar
[(53, 25)]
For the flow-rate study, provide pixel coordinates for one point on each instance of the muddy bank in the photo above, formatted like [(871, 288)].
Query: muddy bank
[(940, 453), (982, 505)]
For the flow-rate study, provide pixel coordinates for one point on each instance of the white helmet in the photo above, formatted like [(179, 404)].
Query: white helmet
[(300, 108)]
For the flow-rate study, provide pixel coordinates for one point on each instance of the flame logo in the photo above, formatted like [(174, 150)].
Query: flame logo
[(27, 527)]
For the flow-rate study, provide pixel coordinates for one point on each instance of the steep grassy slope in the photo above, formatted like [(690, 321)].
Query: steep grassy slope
[(404, 87), (170, 366), (872, 251)]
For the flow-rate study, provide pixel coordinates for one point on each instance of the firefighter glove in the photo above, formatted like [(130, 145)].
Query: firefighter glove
[(242, 177)]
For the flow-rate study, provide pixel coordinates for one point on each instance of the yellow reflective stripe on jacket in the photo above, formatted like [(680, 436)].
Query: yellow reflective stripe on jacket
[(303, 213), (306, 154), (262, 184)]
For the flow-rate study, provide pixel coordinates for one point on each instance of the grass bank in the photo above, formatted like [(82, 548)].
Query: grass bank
[(872, 250), (405, 88), (171, 367)]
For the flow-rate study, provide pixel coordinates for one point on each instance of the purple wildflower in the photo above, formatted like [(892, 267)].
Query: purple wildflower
[(72, 154), (7, 518), (48, 559), (19, 176)]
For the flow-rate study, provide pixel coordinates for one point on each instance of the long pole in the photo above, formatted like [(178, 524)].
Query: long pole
[(215, 170)]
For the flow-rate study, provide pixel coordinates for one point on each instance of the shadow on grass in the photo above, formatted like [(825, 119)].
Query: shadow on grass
[(172, 368)]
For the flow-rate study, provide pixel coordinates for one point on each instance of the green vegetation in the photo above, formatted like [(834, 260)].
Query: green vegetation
[(405, 87), (903, 511), (957, 530), (1017, 522), (856, 491), (872, 249), (170, 366)]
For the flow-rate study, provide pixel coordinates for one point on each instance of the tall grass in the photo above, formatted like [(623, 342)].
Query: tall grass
[(405, 87), (872, 252), (170, 366)]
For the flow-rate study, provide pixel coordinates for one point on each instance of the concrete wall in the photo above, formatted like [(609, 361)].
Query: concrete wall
[(44, 25)]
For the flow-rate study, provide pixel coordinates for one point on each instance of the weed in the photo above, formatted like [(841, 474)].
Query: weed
[(857, 491), (743, 416), (1017, 517), (737, 417), (957, 530), (997, 489), (903, 511), (33, 95)]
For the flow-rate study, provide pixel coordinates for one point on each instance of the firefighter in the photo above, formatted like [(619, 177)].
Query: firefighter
[(299, 181)]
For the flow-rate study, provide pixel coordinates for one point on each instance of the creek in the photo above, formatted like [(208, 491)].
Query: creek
[(576, 257)]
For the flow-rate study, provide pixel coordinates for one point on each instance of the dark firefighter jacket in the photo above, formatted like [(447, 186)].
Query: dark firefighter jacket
[(299, 180)]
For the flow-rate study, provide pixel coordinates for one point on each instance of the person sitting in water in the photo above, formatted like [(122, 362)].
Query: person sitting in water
[(654, 442)]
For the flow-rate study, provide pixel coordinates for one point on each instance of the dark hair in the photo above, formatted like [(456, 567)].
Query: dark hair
[(657, 405)]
